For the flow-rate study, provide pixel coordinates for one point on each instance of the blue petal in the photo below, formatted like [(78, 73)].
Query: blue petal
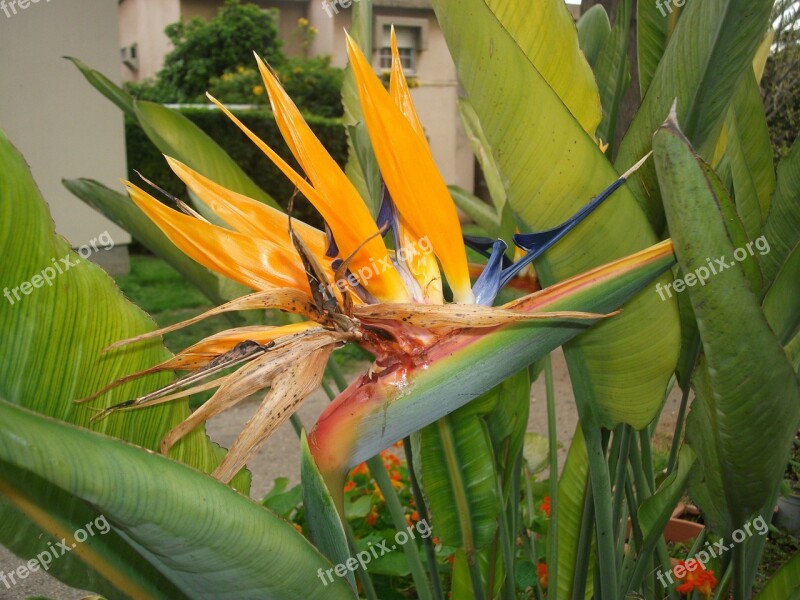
[(489, 282), (494, 277)]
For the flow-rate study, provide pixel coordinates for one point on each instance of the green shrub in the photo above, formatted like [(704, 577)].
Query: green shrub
[(144, 157), (203, 50)]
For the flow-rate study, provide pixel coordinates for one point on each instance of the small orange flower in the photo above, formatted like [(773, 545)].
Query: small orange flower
[(545, 506), (697, 578), (415, 516), (541, 572), (349, 486), (372, 517)]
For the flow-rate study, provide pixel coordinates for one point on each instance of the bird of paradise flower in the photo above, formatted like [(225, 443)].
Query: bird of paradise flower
[(392, 302)]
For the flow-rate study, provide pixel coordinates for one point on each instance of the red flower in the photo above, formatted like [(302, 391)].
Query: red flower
[(545, 506), (697, 578), (349, 486), (541, 572)]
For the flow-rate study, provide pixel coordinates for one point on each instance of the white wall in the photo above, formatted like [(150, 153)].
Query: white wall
[(63, 127)]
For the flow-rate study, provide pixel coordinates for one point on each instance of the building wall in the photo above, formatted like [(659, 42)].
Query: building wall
[(142, 22), (63, 127)]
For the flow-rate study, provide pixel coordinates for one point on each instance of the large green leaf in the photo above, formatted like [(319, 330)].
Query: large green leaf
[(745, 400), (552, 49), (207, 539), (106, 87), (325, 526), (613, 73), (483, 152), (712, 46), (782, 302), (593, 30), (750, 154), (552, 168), (782, 227), (784, 584), (124, 212), (104, 563), (52, 339), (651, 40), (572, 486), (361, 162), (457, 472)]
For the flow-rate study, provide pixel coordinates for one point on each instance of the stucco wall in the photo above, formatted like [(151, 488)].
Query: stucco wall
[(59, 122), (142, 22)]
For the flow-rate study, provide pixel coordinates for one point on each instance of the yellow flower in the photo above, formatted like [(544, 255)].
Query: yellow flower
[(258, 90)]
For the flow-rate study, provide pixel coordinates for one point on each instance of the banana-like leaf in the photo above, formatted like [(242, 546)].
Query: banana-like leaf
[(784, 584), (124, 212), (485, 216), (629, 359), (359, 149), (176, 136), (651, 39), (572, 488), (457, 472), (324, 524), (545, 33), (377, 410), (655, 511), (782, 227), (362, 147), (749, 154), (782, 302), (613, 73), (208, 540), (713, 45), (117, 571), (106, 87), (745, 400), (59, 314), (593, 30), (483, 152)]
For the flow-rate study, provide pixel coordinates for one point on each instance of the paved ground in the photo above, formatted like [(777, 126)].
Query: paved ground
[(280, 458)]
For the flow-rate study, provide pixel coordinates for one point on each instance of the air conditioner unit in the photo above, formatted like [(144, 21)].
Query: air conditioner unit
[(130, 57)]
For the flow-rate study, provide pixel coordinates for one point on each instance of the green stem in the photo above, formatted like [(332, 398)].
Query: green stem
[(724, 584), (297, 424), (552, 442), (581, 572), (739, 572), (422, 511), (363, 576), (378, 471), (676, 437), (338, 376), (461, 506), (604, 526), (619, 481)]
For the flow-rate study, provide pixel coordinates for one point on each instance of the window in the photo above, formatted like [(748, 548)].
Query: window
[(407, 45)]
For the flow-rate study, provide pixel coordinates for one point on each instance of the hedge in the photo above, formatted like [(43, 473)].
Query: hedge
[(144, 157)]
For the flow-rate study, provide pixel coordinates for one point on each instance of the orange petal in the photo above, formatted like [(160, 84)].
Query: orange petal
[(398, 88), (338, 201), (246, 215), (420, 260), (258, 264), (349, 233), (411, 175)]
